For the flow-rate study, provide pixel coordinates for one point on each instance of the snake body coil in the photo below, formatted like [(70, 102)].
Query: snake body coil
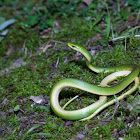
[(130, 71)]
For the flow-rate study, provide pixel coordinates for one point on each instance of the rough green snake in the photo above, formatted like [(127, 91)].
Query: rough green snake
[(130, 71)]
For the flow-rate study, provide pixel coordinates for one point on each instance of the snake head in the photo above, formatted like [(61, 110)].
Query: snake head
[(76, 46), (81, 49)]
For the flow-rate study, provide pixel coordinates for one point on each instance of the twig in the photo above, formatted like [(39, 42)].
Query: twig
[(56, 65), (115, 111), (121, 37), (55, 50), (125, 26)]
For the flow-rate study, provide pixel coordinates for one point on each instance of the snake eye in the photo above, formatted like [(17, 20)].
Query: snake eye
[(73, 46)]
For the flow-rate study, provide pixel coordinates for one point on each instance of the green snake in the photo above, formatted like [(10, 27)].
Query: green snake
[(130, 71)]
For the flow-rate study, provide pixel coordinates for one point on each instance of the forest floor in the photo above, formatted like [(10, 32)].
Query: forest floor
[(34, 56)]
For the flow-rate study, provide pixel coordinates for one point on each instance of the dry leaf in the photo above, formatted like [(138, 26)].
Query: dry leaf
[(5, 101), (45, 36), (4, 73), (92, 52), (23, 100), (88, 2), (18, 63), (38, 99), (81, 136), (9, 51), (94, 39), (33, 67), (68, 123), (131, 18)]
